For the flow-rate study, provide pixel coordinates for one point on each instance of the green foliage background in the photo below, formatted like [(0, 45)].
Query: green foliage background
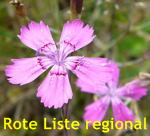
[(122, 28)]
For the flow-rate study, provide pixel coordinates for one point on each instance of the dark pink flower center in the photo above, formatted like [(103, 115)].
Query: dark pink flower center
[(58, 74), (41, 64), (70, 44)]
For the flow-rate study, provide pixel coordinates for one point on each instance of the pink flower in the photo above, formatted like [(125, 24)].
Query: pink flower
[(111, 94), (55, 89)]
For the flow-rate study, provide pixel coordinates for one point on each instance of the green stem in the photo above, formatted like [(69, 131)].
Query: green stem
[(65, 115)]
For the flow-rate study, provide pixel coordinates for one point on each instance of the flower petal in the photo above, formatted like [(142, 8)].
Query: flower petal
[(97, 110), (121, 111), (96, 71), (132, 90), (101, 88), (55, 89), (116, 72), (113, 83), (25, 70), (90, 88), (75, 36), (38, 37)]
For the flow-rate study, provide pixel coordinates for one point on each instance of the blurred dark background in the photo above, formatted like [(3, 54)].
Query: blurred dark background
[(123, 34)]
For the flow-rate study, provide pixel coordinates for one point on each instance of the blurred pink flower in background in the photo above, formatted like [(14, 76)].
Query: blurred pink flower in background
[(111, 94), (55, 90)]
